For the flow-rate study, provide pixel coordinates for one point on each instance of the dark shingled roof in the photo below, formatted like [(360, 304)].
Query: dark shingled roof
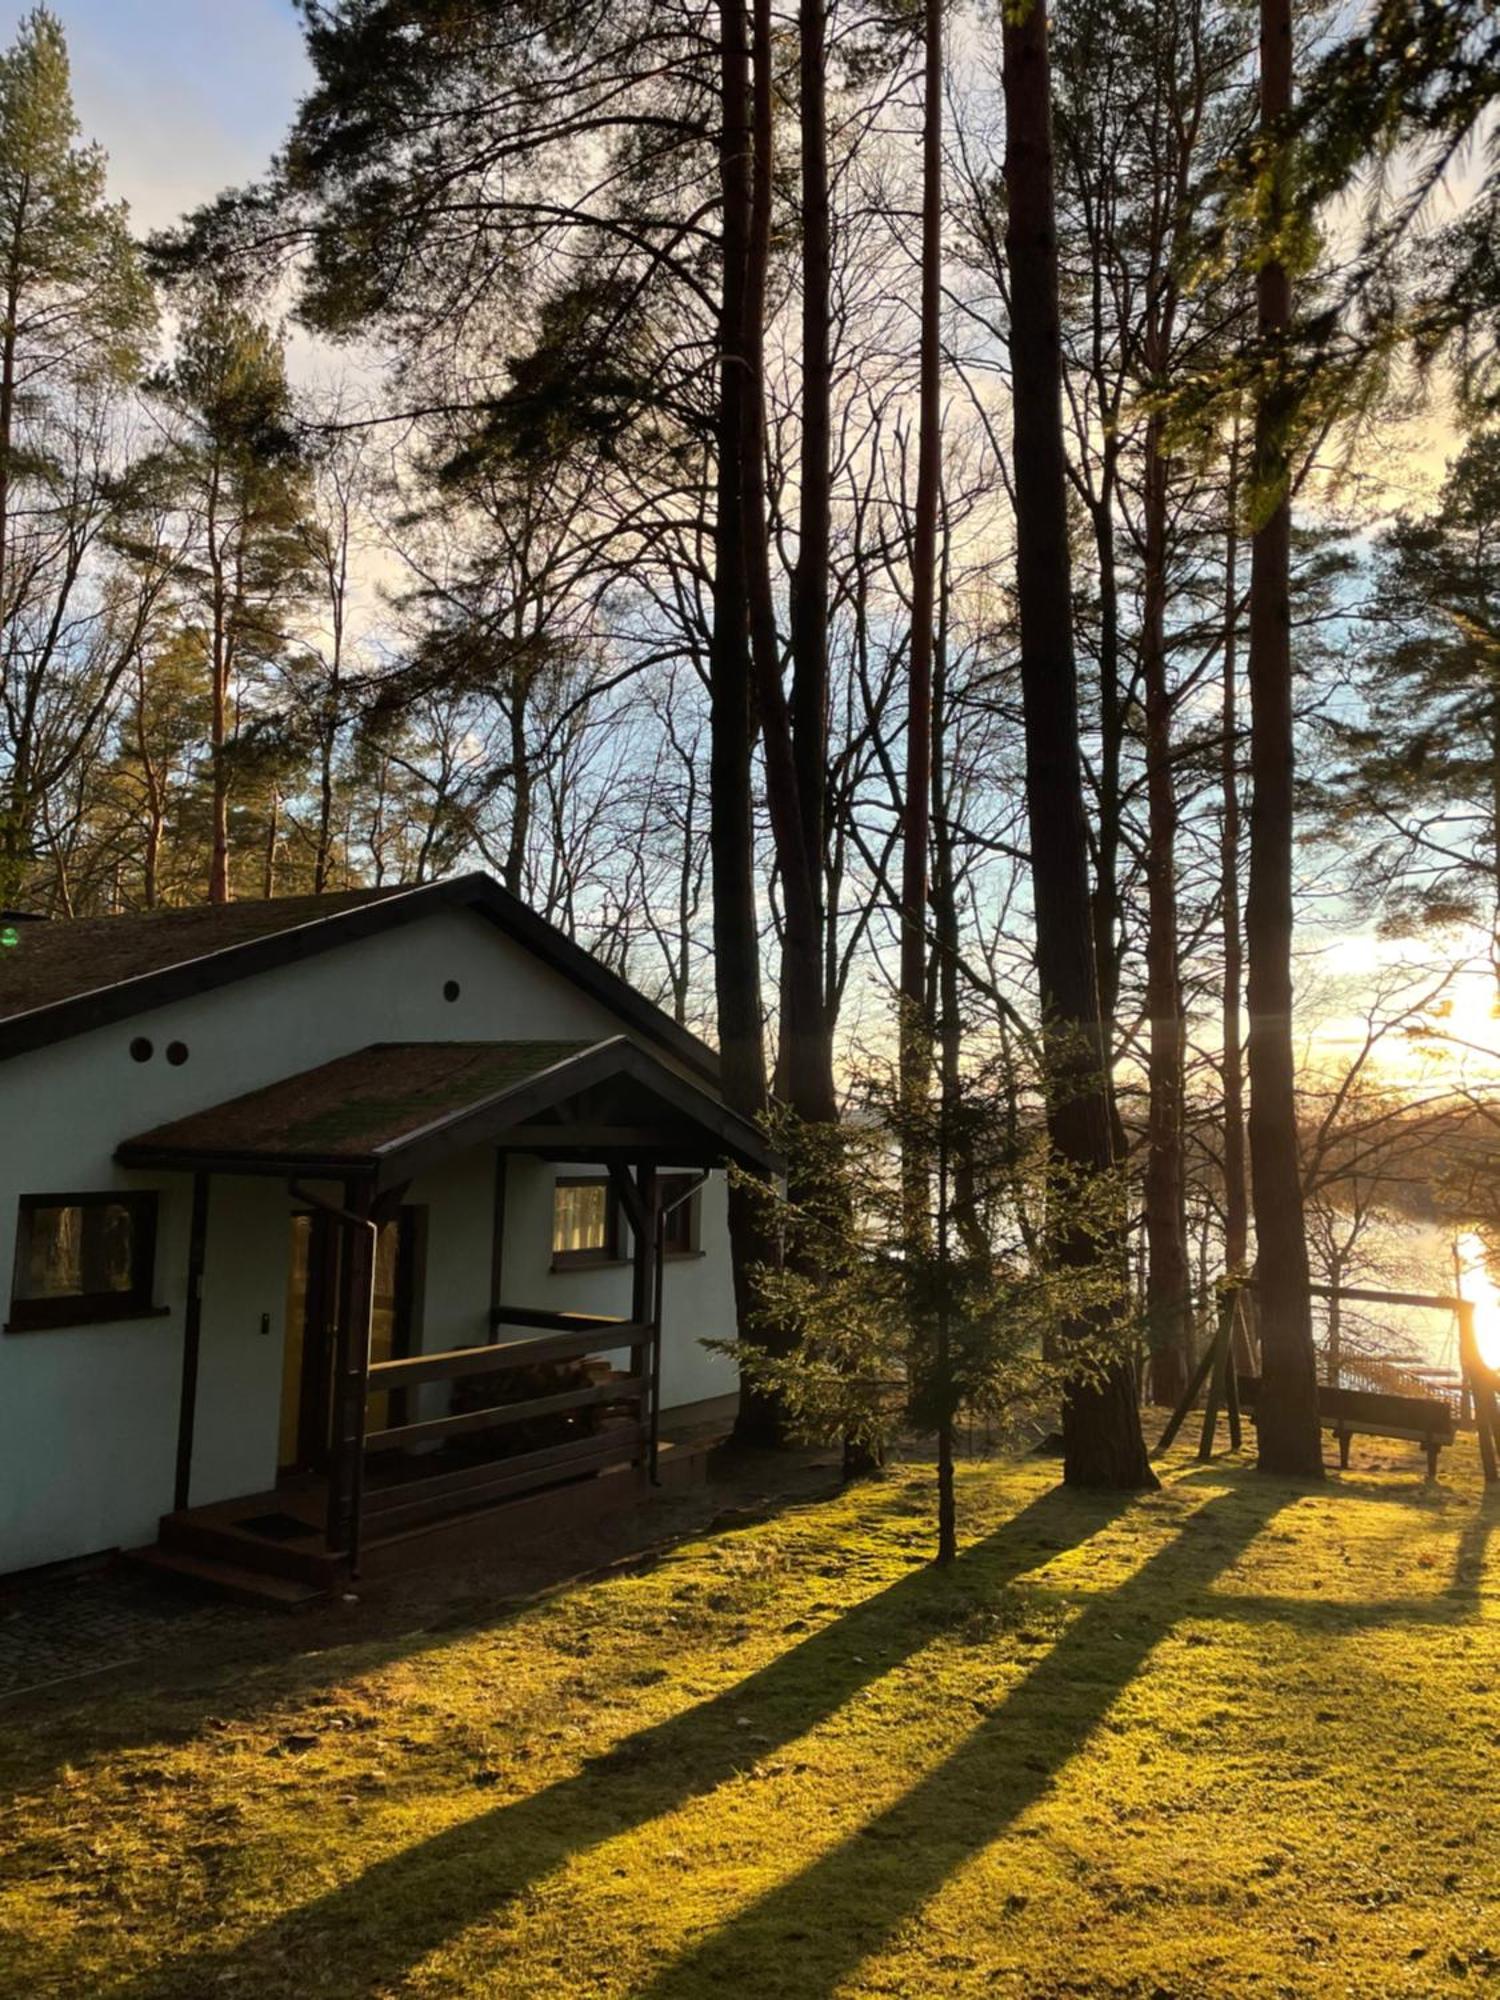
[(358, 1105), (66, 977), (399, 1107), (66, 957)]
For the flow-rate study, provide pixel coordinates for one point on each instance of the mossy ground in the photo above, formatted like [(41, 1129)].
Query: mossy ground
[(1239, 1737)]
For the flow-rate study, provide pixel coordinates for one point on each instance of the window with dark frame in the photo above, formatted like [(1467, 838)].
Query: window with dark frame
[(680, 1219), (585, 1223), (82, 1258)]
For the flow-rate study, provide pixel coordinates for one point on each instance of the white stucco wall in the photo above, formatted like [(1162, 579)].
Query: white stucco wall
[(697, 1292), (88, 1415)]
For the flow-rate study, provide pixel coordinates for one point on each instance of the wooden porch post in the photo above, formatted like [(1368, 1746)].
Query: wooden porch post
[(192, 1341), (351, 1363), (497, 1239), (641, 1199)]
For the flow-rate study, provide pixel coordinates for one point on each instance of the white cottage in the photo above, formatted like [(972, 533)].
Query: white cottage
[(338, 1221)]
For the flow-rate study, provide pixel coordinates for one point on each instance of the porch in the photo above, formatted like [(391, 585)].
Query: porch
[(272, 1549), (554, 1414)]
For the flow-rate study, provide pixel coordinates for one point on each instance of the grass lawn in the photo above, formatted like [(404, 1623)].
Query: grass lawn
[(1235, 1738)]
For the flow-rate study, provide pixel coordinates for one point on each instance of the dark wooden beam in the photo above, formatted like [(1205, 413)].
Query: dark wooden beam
[(497, 1235), (192, 1341), (455, 1362), (645, 1305), (624, 1389), (351, 1363), (594, 1141), (557, 1322), (630, 1200)]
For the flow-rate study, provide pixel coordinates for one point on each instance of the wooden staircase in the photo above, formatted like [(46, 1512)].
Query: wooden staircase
[(213, 1549), (268, 1549)]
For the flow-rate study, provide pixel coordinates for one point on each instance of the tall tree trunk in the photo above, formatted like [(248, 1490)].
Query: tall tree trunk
[(963, 1202), (1287, 1418), (1105, 906), (809, 1080), (1169, 1313), (1232, 1033), (273, 828), (914, 1027), (514, 873), (219, 643), (14, 844), (731, 808), (807, 1057), (323, 854), (1102, 1443)]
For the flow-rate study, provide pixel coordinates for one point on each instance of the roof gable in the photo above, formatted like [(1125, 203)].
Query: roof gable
[(69, 976), (397, 1108)]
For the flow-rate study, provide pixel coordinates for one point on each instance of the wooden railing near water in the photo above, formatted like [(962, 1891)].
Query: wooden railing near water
[(1476, 1390), (1392, 1377)]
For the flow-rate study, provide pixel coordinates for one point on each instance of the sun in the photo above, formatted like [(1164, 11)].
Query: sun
[(1470, 1014), (1476, 1285)]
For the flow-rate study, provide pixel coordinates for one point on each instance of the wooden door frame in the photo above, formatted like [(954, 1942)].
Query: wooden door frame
[(325, 1249)]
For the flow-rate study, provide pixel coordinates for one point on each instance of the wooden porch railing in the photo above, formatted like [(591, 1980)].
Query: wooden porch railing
[(558, 1337)]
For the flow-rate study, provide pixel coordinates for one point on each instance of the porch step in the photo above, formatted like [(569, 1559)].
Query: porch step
[(221, 1541), (225, 1579)]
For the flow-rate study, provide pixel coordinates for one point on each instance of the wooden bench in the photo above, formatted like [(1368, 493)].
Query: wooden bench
[(1351, 1413)]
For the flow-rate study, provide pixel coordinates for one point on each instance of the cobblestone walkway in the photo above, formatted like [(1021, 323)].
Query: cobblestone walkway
[(58, 1632), (64, 1628)]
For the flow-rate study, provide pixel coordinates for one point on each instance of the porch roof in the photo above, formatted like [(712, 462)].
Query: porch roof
[(395, 1109)]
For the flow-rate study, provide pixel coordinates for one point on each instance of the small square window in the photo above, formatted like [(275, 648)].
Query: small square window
[(82, 1257), (585, 1223)]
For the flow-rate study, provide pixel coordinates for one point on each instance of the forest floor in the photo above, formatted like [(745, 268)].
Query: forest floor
[(1237, 1737)]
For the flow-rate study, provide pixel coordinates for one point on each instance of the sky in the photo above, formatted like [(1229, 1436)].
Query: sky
[(189, 97), (186, 96)]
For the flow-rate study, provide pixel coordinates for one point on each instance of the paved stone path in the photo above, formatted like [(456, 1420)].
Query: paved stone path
[(57, 1632), (64, 1628)]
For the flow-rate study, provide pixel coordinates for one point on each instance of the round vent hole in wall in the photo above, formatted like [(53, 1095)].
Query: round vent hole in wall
[(177, 1054), (142, 1049), (451, 989)]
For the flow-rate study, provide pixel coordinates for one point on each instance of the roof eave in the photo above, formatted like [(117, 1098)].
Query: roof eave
[(39, 1027)]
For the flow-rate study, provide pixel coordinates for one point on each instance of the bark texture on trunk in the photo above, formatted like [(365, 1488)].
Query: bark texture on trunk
[(1105, 907), (731, 814), (813, 1086), (806, 1057), (1102, 1443), (1169, 1304), (1236, 1200), (915, 1025), (1287, 1417)]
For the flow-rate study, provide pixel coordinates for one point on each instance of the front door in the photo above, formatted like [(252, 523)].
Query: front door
[(311, 1330)]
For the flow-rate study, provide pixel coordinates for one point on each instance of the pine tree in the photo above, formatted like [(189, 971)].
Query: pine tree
[(75, 315), (244, 492), (1287, 1422), (1101, 1419), (1420, 793)]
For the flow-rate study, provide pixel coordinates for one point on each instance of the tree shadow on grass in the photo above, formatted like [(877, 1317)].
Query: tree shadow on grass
[(261, 1663), (789, 1944), (1471, 1557), (366, 1933)]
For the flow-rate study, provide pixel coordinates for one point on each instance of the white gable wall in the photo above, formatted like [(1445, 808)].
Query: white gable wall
[(88, 1416)]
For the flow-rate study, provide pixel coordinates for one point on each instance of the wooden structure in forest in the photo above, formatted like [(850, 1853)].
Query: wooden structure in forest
[(1425, 1419)]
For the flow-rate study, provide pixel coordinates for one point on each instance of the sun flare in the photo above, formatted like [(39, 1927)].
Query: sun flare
[(1478, 1287)]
